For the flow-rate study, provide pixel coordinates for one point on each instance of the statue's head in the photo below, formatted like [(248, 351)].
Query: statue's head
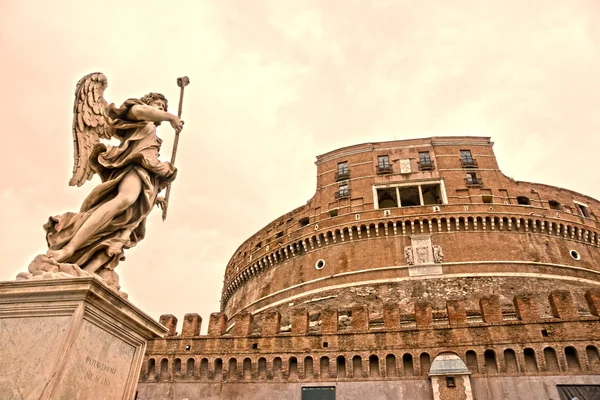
[(154, 99)]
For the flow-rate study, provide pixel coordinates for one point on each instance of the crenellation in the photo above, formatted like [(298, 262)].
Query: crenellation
[(490, 309), (329, 321), (360, 319), (526, 307), (191, 325), (271, 324), (563, 304), (457, 313), (217, 324), (300, 322), (592, 297), (243, 324), (170, 322), (423, 315)]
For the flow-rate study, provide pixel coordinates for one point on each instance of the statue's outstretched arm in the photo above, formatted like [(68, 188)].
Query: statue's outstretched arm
[(143, 112)]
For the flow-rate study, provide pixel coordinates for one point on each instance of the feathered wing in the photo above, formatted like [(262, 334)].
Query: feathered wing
[(89, 124)]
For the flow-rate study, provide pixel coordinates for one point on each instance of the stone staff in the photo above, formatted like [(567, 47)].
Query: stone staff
[(182, 83)]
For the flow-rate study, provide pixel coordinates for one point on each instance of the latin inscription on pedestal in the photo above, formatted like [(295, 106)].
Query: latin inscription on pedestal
[(100, 362)]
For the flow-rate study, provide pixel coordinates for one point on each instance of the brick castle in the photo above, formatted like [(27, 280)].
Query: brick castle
[(418, 270)]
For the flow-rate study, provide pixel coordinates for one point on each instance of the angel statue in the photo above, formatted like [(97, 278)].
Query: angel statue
[(113, 216)]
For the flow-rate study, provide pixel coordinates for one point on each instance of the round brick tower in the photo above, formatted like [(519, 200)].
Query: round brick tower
[(422, 219)]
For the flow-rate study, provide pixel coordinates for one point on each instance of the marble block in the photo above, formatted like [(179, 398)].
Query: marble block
[(70, 339)]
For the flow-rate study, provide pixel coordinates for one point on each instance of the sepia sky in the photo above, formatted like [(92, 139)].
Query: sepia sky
[(273, 85)]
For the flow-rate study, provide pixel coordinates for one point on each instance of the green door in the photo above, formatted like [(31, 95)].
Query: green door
[(318, 393)]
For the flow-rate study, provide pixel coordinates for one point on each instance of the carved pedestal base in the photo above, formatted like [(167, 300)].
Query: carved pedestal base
[(70, 339)]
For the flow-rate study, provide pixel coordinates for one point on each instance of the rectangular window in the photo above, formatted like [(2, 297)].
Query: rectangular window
[(465, 156), (343, 172), (383, 165), (583, 209), (383, 161), (343, 191), (425, 162), (472, 179), (318, 393), (409, 195), (467, 160)]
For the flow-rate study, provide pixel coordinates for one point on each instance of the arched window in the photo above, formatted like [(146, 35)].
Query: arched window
[(357, 367), (425, 362), (510, 360), (407, 364), (247, 368), (262, 368), (551, 360), (472, 362), (390, 366), (189, 368), (218, 368), (530, 360), (491, 367), (164, 368), (593, 357), (293, 368), (177, 366), (277, 370), (151, 368), (341, 366), (308, 367), (232, 367), (374, 366), (572, 359), (324, 366)]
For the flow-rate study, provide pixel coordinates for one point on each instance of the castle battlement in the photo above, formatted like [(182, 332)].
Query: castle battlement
[(493, 340)]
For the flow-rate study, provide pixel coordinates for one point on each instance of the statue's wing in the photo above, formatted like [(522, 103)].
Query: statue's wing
[(89, 124)]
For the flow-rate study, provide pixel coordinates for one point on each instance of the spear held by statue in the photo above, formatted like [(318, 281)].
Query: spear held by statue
[(182, 83)]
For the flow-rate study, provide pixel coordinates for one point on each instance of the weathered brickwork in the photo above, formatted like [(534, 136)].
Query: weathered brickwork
[(409, 250)]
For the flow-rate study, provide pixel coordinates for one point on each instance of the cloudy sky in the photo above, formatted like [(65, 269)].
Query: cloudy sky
[(274, 84)]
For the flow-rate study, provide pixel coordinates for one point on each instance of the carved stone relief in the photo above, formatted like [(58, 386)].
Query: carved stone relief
[(422, 256), (405, 166)]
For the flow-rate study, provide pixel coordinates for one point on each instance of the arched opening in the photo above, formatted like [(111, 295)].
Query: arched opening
[(189, 367), (293, 368), (551, 360), (572, 359), (324, 366), (232, 369), (530, 360), (164, 368), (374, 366), (204, 368), (177, 366), (593, 357), (491, 367), (247, 368), (341, 366), (151, 368), (218, 368), (357, 367), (472, 362), (510, 360), (277, 370), (407, 364), (425, 362), (308, 367), (390, 366), (262, 368)]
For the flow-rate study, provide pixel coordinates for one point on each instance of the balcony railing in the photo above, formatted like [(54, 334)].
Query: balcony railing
[(468, 163), (384, 169), (474, 181), (341, 175), (426, 165), (342, 194)]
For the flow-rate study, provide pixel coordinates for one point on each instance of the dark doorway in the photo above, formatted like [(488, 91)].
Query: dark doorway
[(318, 393)]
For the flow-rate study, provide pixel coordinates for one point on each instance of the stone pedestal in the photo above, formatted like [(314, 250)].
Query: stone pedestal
[(70, 339)]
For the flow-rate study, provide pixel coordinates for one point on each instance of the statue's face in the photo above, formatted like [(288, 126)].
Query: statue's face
[(158, 104)]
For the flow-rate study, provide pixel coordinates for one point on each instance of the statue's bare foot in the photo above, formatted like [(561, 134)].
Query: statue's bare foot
[(59, 255)]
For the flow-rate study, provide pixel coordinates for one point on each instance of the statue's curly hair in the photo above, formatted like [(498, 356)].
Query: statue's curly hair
[(150, 97)]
